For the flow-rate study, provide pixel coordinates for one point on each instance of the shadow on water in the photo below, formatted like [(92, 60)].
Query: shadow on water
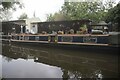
[(72, 63)]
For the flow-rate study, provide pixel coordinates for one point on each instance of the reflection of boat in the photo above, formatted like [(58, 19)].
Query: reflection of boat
[(76, 64)]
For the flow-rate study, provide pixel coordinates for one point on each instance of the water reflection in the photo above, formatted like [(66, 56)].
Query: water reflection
[(40, 62), (0, 66)]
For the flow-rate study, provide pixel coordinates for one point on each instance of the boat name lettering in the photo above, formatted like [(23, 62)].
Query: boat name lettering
[(90, 39)]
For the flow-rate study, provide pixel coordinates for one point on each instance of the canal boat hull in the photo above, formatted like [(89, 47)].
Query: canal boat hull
[(105, 48), (81, 42)]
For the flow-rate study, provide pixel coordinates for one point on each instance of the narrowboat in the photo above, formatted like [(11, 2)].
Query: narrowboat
[(63, 34), (81, 42)]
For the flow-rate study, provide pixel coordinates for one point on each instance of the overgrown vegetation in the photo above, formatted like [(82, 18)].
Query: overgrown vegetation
[(95, 11), (7, 7), (23, 16), (113, 15)]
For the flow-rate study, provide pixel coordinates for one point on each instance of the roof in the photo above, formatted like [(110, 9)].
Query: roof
[(15, 21), (84, 20), (18, 22), (101, 23)]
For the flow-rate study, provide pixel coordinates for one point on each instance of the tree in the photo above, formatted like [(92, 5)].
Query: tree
[(50, 17), (23, 16), (86, 10), (5, 15), (95, 11), (6, 8), (113, 15), (58, 16)]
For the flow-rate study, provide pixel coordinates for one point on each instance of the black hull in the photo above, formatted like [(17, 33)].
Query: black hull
[(92, 48)]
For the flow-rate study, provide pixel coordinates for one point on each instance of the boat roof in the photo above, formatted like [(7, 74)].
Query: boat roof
[(18, 22)]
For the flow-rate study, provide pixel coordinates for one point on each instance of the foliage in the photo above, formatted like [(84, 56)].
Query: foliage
[(23, 16), (86, 10), (10, 4), (55, 17), (113, 14), (83, 10), (5, 15), (83, 27), (50, 17), (71, 31), (7, 7)]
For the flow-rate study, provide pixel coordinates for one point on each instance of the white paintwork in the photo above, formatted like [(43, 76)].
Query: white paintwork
[(29, 23), (114, 33), (34, 29), (97, 31), (21, 29)]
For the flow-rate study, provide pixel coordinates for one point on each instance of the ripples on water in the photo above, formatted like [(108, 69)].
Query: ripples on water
[(41, 62)]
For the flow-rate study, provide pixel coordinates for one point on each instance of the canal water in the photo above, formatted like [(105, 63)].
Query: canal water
[(20, 61)]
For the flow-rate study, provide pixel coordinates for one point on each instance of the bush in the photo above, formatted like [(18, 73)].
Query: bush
[(71, 31)]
